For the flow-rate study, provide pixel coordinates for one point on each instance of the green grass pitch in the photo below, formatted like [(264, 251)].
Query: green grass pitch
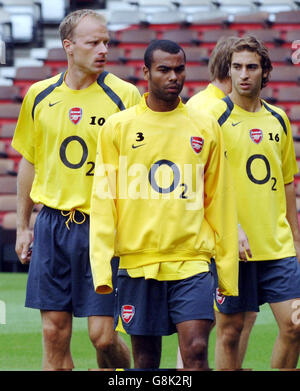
[(21, 342)]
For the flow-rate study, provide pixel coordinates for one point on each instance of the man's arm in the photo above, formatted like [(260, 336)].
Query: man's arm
[(24, 210), (292, 215)]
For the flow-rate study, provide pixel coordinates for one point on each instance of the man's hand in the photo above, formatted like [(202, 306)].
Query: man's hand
[(24, 245), (244, 247)]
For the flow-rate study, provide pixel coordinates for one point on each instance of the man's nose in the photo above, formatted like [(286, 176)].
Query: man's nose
[(244, 73), (102, 48), (172, 75)]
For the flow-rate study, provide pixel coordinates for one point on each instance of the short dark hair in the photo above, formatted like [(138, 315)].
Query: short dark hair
[(161, 44), (253, 44)]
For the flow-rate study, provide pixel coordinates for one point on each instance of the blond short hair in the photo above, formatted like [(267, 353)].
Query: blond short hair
[(69, 23), (219, 61)]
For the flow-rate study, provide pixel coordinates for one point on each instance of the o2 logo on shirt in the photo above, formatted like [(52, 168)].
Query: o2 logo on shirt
[(256, 135), (75, 115)]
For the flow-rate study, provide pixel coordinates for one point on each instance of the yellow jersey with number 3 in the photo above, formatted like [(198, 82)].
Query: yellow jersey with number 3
[(162, 193), (57, 132), (259, 148)]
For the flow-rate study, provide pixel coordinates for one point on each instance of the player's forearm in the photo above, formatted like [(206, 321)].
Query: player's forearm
[(291, 210), (24, 202)]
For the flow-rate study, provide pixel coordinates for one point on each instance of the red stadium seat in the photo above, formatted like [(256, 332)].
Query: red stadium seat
[(182, 36), (6, 167), (9, 94), (8, 184), (56, 54), (212, 36), (196, 54), (8, 203), (9, 111), (267, 94), (289, 17), (266, 35), (286, 73), (116, 54), (7, 130), (27, 75), (292, 35), (136, 54), (297, 148), (295, 130), (141, 36), (124, 72), (32, 73), (197, 73), (294, 114), (291, 94), (253, 18), (3, 149), (280, 54)]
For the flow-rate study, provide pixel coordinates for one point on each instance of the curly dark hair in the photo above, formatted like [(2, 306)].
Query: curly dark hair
[(252, 44)]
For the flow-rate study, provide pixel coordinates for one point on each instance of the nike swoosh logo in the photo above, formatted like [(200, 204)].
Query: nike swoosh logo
[(137, 146), (235, 123), (52, 104)]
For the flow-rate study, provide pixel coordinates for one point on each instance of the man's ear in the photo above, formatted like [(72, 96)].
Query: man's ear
[(146, 73), (68, 46)]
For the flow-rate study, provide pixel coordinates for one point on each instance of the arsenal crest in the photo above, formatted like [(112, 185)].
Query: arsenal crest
[(127, 313), (256, 135), (197, 144), (219, 297), (75, 115)]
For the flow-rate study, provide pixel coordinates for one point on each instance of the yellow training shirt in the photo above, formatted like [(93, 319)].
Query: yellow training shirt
[(162, 193), (261, 154), (57, 132), (206, 98)]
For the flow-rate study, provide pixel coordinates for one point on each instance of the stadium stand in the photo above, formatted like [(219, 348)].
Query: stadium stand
[(29, 30)]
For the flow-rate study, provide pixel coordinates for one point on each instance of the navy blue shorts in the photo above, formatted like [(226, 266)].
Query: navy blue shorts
[(59, 277), (261, 282), (151, 307)]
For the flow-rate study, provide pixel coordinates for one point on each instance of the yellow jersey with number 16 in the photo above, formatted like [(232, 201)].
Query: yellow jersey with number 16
[(262, 158), (57, 132)]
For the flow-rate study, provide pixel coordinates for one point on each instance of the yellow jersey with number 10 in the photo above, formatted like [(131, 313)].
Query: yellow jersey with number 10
[(57, 132), (261, 154)]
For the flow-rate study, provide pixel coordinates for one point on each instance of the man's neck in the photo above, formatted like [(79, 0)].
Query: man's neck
[(78, 80), (160, 105), (251, 104)]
